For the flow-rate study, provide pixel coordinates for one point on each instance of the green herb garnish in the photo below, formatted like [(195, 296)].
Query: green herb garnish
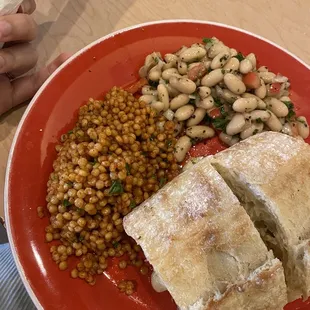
[(255, 131), (132, 204), (94, 162), (156, 60), (220, 123), (66, 203), (259, 120), (152, 137), (217, 102), (116, 188), (207, 40), (81, 238), (239, 56), (223, 71), (70, 132), (168, 143), (128, 168), (153, 83), (115, 244), (291, 112), (69, 183), (223, 111), (162, 182)]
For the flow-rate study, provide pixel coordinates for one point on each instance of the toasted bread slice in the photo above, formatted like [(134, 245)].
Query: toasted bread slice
[(270, 174), (204, 247)]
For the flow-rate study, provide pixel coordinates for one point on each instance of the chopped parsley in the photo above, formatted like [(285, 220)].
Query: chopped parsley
[(223, 112), (239, 56), (220, 123), (66, 203), (153, 83), (207, 119), (70, 132), (194, 141), (115, 244), (291, 112), (152, 137), (94, 162), (259, 120), (169, 143), (69, 183), (255, 131), (81, 238), (217, 102), (132, 204), (128, 168), (116, 188), (156, 60), (223, 71), (207, 40), (162, 182), (209, 70)]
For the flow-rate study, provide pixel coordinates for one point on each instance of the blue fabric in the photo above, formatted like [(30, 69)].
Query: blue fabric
[(13, 295)]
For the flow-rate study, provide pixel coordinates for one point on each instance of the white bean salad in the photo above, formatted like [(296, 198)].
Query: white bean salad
[(210, 87)]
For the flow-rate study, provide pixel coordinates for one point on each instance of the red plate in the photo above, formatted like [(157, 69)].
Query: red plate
[(113, 60)]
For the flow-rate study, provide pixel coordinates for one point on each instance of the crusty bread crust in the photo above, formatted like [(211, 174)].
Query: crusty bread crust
[(202, 243), (272, 171)]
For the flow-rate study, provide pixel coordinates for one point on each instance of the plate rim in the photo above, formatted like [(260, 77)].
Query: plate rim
[(19, 266)]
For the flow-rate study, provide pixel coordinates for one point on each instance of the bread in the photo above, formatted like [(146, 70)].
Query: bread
[(270, 174), (204, 247)]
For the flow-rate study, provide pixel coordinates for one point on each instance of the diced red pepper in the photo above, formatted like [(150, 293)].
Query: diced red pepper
[(214, 113), (274, 89), (197, 72), (251, 80)]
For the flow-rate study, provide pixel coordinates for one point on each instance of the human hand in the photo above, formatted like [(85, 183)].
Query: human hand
[(17, 57)]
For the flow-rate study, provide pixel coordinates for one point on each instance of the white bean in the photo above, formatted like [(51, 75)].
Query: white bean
[(273, 123), (252, 58), (216, 49), (181, 50), (197, 117), (163, 95), (252, 130), (262, 69), (193, 53), (179, 101), (200, 132), (234, 84), (266, 76), (243, 105), (206, 103), (302, 127), (245, 66), (172, 91), (149, 90), (178, 127), (182, 146), (157, 283), (227, 139), (260, 115), (182, 67), (192, 65), (285, 98), (169, 65), (287, 129), (184, 113), (158, 106), (183, 85), (233, 52), (235, 125), (232, 65), (261, 105), (212, 78), (261, 91), (154, 75), (204, 92), (171, 58), (220, 60), (229, 96), (147, 98), (168, 73), (277, 107)]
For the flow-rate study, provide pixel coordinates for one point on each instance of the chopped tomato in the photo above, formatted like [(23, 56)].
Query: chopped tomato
[(274, 89), (251, 80), (197, 72), (214, 113), (135, 87)]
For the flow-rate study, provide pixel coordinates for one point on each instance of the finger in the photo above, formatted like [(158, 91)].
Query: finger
[(27, 7), (18, 59), (6, 91), (17, 27), (24, 88)]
